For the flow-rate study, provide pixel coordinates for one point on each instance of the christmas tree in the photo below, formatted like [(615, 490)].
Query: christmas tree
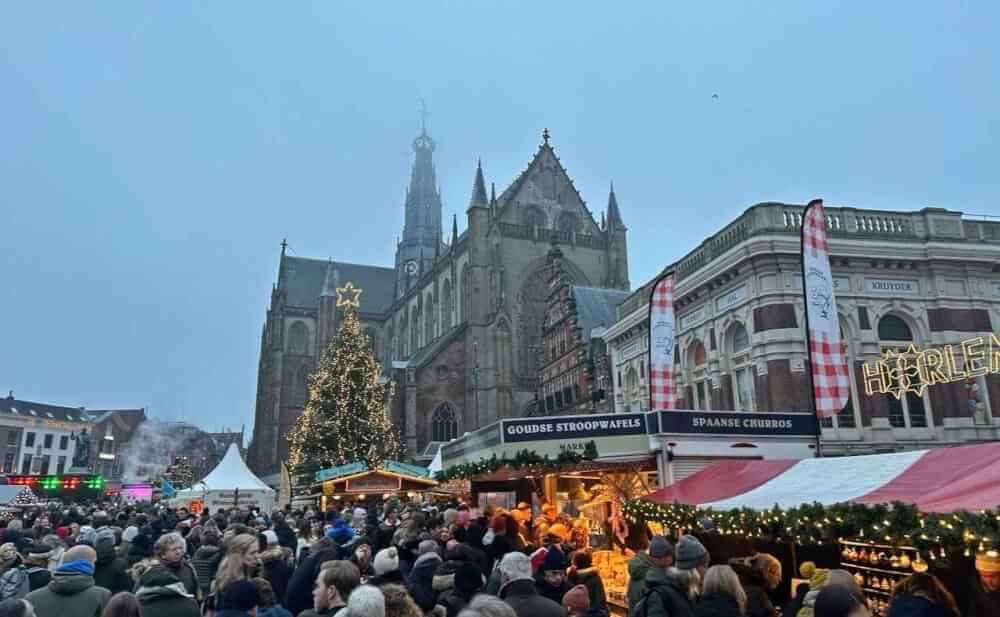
[(345, 419)]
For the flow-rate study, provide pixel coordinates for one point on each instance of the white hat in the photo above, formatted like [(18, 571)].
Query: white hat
[(515, 567), (386, 560), (366, 601), (272, 538)]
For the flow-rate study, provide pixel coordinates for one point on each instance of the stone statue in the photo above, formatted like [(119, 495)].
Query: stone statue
[(81, 458)]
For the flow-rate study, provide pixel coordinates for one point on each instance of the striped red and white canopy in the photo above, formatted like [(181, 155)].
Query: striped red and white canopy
[(941, 480)]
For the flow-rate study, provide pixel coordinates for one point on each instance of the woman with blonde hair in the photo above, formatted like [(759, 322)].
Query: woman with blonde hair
[(239, 563), (721, 594)]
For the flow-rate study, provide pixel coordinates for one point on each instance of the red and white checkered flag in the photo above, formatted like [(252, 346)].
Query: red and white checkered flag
[(662, 379), (831, 383)]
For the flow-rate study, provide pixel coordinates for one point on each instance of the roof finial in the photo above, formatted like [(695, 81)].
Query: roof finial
[(545, 136), (284, 245), (423, 117)]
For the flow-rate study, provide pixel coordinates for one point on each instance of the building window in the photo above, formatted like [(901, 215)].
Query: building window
[(29, 440), (698, 364), (910, 410), (12, 438), (444, 424), (60, 464), (744, 392), (47, 440), (298, 338), (8, 463), (744, 375), (63, 442), (741, 338), (977, 398), (44, 468), (26, 464)]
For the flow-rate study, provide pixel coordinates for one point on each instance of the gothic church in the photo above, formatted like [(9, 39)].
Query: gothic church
[(457, 322)]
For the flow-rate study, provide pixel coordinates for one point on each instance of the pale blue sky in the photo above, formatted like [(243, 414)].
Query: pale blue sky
[(153, 155)]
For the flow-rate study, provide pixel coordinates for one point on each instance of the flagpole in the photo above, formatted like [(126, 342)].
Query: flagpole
[(805, 303)]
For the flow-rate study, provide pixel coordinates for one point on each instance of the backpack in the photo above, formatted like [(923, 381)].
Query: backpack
[(14, 583), (642, 606)]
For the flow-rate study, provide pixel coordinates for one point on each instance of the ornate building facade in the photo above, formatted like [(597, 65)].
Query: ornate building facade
[(457, 323), (930, 278)]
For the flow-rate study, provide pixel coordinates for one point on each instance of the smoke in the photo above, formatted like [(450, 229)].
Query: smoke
[(153, 447)]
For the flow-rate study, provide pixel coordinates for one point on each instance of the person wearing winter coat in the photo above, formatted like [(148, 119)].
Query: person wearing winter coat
[(722, 594), (660, 555), (207, 558), (298, 596), (170, 549), (823, 578), (759, 575), (386, 568), (421, 581), (140, 548), (110, 571), (583, 573), (806, 571), (267, 604), (72, 592), (550, 580), (922, 595), (517, 589), (275, 568), (468, 581), (286, 535), (577, 603), (984, 597), (162, 594)]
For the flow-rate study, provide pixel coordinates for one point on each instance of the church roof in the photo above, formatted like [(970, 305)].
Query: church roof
[(303, 280), (595, 307)]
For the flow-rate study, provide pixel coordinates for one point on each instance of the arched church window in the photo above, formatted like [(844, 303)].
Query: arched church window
[(447, 305), (568, 222), (503, 351), (430, 318), (414, 330), (444, 423), (298, 338), (534, 217)]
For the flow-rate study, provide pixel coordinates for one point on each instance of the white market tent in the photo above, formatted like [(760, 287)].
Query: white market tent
[(231, 483)]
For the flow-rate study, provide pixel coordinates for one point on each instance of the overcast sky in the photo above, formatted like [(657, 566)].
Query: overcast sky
[(153, 155)]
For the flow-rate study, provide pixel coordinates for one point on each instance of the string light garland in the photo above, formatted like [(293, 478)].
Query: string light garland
[(896, 524), (522, 459), (345, 419)]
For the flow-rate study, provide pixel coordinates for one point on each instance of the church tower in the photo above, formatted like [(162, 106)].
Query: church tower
[(421, 239)]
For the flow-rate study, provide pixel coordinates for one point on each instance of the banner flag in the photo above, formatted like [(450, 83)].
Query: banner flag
[(831, 383), (662, 377)]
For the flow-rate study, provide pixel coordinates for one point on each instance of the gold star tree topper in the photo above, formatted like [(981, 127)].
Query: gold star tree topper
[(349, 296)]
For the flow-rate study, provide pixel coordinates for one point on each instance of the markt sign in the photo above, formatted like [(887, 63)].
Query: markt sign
[(913, 370)]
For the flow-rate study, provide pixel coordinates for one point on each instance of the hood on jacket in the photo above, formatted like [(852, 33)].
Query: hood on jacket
[(272, 554), (749, 575), (70, 583), (106, 553), (659, 576), (206, 552), (425, 567), (639, 566)]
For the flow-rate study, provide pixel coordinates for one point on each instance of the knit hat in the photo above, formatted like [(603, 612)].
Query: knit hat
[(105, 535), (386, 560), (659, 546), (690, 553), (240, 595), (271, 536), (340, 532), (817, 576), (62, 532), (577, 600), (8, 552), (130, 533), (468, 578), (554, 560), (515, 567), (87, 535), (986, 562)]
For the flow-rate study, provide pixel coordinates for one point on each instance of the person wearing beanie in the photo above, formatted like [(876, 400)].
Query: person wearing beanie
[(386, 567), (550, 579), (110, 571), (672, 592), (660, 555), (365, 601), (576, 601), (690, 554), (162, 594), (517, 589), (421, 581), (984, 598), (467, 582), (822, 579), (238, 599)]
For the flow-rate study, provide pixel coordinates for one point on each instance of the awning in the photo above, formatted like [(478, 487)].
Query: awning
[(942, 480)]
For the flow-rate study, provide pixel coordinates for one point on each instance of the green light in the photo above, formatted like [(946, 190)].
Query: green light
[(50, 482), (96, 482)]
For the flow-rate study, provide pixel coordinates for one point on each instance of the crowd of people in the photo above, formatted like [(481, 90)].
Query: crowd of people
[(391, 560)]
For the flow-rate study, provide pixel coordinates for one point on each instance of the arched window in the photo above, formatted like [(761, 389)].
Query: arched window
[(698, 375), (414, 330), (503, 351), (744, 375), (568, 221), (447, 305), (534, 217), (466, 293), (298, 338), (429, 316), (909, 410), (633, 394), (444, 423)]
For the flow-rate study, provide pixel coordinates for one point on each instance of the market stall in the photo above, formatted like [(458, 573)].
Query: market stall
[(886, 516), (356, 482), (230, 484)]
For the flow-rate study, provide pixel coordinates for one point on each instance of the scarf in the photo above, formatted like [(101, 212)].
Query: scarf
[(80, 566)]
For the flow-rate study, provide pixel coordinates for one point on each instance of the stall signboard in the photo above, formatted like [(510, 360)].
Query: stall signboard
[(472, 446), (340, 471), (373, 483), (216, 500), (738, 423)]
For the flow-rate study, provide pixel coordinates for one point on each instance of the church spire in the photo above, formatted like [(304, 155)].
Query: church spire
[(478, 199), (454, 229), (422, 223), (614, 215)]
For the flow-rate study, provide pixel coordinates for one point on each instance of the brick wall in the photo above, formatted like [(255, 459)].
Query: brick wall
[(774, 317), (959, 320)]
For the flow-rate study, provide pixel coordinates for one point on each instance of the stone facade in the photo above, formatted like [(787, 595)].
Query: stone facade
[(457, 324), (928, 277)]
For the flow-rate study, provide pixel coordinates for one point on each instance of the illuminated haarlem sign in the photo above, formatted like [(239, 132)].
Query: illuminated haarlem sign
[(912, 370)]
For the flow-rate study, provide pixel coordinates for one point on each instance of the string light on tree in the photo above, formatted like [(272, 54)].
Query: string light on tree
[(345, 419)]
